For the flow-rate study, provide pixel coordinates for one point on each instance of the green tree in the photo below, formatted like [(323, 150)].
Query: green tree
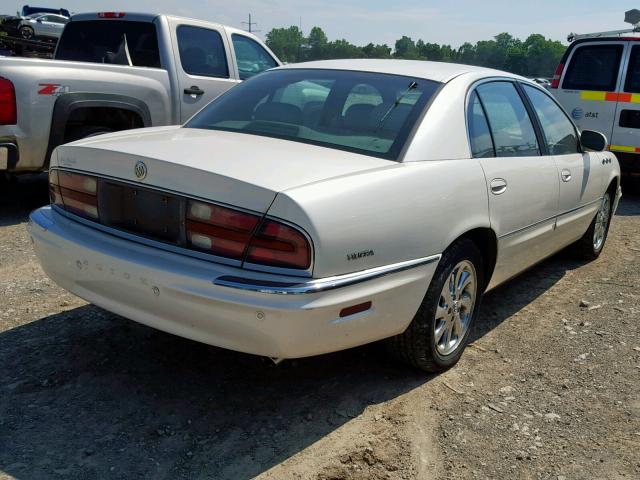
[(286, 43), (406, 48), (343, 49), (429, 51), (543, 55), (376, 51), (317, 44)]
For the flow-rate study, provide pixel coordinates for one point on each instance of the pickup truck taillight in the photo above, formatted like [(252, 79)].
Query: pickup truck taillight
[(555, 81), (8, 109), (232, 233), (75, 193)]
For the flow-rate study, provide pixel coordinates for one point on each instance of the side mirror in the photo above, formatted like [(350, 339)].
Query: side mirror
[(39, 20), (591, 140)]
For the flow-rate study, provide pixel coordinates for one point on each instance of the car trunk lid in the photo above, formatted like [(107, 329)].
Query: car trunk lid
[(236, 169)]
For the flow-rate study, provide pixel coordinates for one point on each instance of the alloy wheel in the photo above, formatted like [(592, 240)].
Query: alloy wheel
[(455, 308), (602, 223)]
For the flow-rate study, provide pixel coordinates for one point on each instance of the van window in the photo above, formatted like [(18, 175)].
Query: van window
[(202, 52), (594, 67), (558, 130), (479, 134), (632, 82), (512, 130)]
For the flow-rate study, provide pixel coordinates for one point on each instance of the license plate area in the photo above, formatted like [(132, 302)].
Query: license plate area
[(148, 213)]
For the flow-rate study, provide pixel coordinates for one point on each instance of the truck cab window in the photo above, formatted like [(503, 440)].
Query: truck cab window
[(250, 56), (202, 52)]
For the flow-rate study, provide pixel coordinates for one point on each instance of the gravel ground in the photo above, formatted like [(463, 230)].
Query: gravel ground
[(549, 389)]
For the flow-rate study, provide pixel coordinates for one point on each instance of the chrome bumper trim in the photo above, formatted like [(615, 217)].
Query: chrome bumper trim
[(321, 284)]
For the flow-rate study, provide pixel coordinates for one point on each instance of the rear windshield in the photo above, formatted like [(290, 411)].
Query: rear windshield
[(368, 113), (110, 41)]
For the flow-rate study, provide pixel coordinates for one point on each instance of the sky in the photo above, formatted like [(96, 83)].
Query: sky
[(382, 21)]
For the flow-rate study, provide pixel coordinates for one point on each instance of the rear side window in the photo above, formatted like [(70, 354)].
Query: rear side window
[(632, 82), (558, 130), (113, 41), (510, 125), (202, 52), (594, 67), (479, 133), (251, 57)]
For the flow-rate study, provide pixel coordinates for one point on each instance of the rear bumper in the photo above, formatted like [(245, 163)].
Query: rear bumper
[(25, 154), (225, 306)]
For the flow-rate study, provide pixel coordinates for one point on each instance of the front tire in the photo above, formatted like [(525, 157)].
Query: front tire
[(590, 246), (439, 332)]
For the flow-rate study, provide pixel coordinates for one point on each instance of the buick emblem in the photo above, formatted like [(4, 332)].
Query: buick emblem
[(140, 170)]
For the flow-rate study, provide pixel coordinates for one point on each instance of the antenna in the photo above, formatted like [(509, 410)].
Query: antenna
[(250, 25), (630, 16)]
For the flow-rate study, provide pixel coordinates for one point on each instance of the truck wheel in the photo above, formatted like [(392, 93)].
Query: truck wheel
[(87, 131), (439, 332), (592, 242), (26, 32)]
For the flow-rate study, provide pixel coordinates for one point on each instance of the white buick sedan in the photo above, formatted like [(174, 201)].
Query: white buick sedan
[(325, 205)]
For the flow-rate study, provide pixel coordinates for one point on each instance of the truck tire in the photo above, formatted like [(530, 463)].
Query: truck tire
[(88, 131), (26, 32), (443, 311)]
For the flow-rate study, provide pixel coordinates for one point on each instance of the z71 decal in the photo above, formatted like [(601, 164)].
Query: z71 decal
[(54, 89)]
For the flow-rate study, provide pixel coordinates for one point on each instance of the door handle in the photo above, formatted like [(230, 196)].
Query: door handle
[(194, 91), (498, 186), (566, 175)]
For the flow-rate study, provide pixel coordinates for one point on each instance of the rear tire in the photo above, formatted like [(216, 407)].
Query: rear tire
[(26, 32), (590, 246), (439, 332)]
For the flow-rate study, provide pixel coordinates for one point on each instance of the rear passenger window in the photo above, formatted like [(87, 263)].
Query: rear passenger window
[(202, 52), (558, 130), (632, 82), (511, 127), (594, 67), (479, 134)]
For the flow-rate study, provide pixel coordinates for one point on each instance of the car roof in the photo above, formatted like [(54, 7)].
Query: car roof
[(436, 71)]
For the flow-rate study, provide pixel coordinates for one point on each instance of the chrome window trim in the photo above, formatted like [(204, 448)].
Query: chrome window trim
[(320, 284)]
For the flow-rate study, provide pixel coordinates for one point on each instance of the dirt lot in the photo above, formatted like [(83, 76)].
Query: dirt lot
[(550, 388)]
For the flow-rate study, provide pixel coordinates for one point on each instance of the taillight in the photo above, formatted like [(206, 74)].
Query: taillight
[(8, 109), (555, 82), (219, 230), (74, 192), (111, 15), (232, 234), (279, 245)]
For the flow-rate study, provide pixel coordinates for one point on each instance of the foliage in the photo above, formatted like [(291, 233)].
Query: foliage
[(537, 56)]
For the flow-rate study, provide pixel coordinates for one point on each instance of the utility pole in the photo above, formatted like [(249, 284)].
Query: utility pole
[(250, 25)]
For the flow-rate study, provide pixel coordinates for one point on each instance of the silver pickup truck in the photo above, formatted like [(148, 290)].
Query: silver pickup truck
[(115, 71)]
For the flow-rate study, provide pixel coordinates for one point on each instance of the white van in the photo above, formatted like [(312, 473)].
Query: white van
[(598, 84)]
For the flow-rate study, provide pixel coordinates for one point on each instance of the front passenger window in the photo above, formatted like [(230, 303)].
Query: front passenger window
[(558, 130), (510, 125), (250, 56)]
